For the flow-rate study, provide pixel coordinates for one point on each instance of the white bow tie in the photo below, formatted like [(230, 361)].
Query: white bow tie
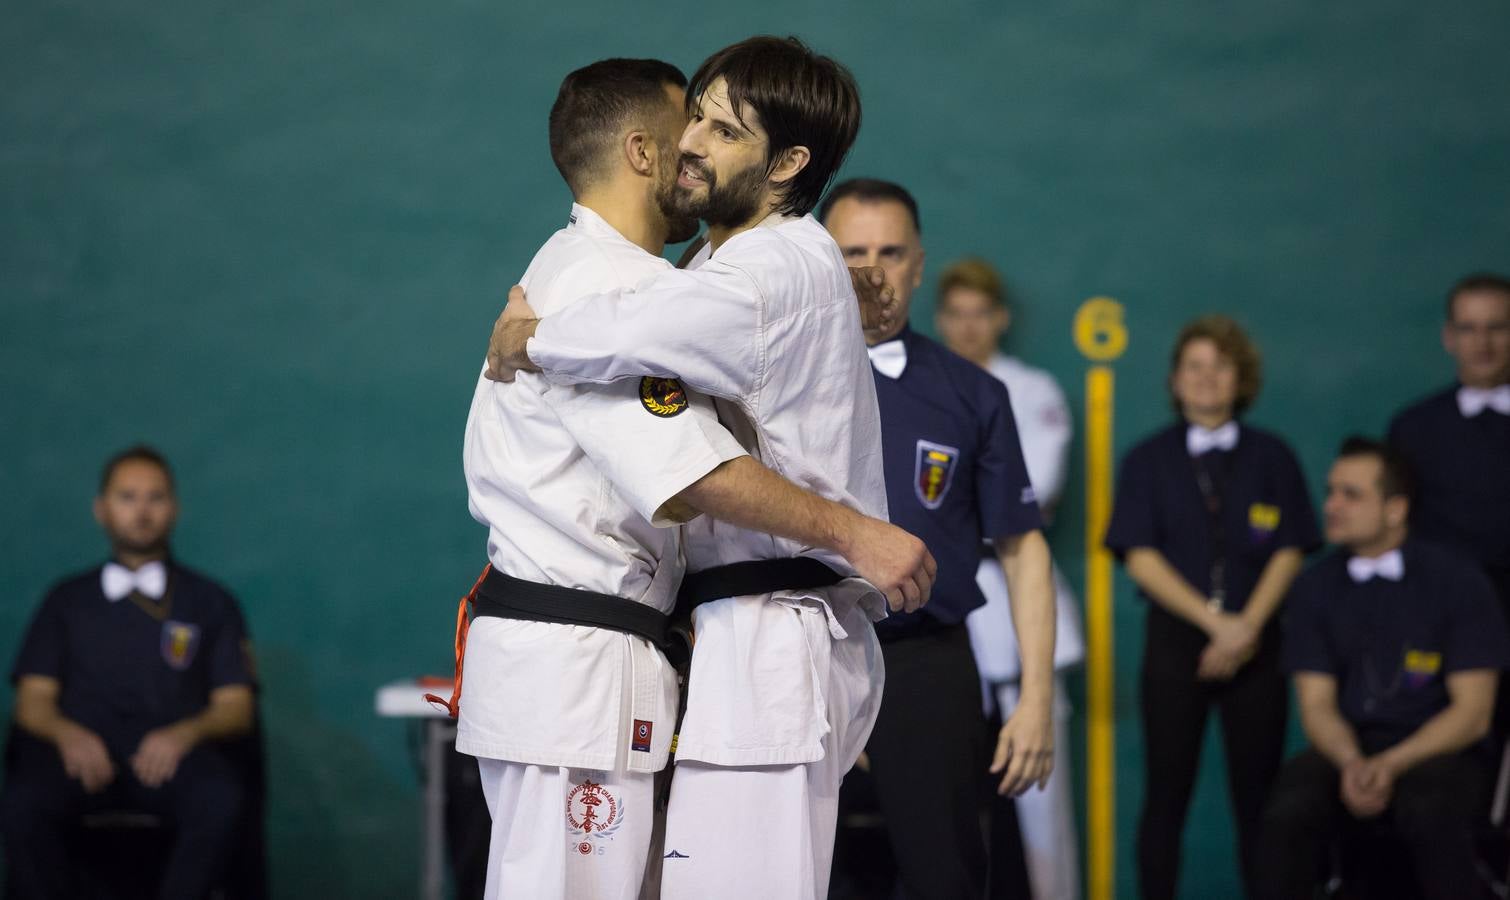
[(890, 358), (1390, 567), (118, 581), (1199, 440), (1472, 401)]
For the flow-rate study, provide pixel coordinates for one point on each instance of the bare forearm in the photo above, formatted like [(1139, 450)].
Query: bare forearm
[(42, 719), (1029, 569), (745, 493), (1272, 586), (1463, 723), (1168, 588), (228, 715), (1331, 735)]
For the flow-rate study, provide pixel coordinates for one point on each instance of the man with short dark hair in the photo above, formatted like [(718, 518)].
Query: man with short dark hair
[(955, 476), (1457, 441), (127, 679), (1395, 645), (568, 698), (785, 673)]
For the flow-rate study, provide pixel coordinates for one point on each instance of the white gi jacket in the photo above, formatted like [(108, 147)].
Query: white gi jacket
[(1044, 428), (770, 325), (566, 479)]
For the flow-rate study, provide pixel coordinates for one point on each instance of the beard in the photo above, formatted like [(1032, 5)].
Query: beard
[(142, 539), (680, 226), (726, 205)]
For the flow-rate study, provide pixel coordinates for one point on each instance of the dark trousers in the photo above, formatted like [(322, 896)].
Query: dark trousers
[(41, 806), (1434, 812), (1253, 707), (928, 760)]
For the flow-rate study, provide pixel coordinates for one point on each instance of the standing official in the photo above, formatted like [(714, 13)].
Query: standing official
[(1212, 520), (129, 680), (1457, 442), (565, 694), (786, 673), (955, 477), (972, 316)]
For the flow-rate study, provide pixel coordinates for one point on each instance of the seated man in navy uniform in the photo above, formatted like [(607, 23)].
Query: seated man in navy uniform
[(1395, 646), (128, 677), (955, 476)]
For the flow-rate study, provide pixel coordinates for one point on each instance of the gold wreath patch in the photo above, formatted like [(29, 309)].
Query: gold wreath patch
[(662, 397)]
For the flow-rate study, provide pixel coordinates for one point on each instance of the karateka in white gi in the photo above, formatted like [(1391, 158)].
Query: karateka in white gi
[(971, 317), (784, 682), (570, 721)]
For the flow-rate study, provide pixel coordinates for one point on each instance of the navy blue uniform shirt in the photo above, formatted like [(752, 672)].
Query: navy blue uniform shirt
[(1391, 645), (954, 471), (1265, 507), (1462, 470), (123, 670)]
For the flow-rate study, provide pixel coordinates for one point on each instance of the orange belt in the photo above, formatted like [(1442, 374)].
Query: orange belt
[(463, 622)]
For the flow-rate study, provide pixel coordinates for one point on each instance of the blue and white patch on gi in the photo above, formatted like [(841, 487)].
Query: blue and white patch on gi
[(934, 473), (180, 641)]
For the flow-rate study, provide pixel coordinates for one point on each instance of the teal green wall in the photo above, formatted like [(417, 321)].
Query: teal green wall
[(270, 238)]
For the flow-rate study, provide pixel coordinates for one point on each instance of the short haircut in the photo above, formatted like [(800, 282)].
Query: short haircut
[(138, 453), (1478, 282), (1394, 472), (871, 190), (973, 273), (1233, 343), (802, 99), (594, 106)]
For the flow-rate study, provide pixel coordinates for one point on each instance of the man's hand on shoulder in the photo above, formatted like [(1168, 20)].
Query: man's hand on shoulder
[(878, 299), (511, 335), (157, 757), (896, 562), (85, 758)]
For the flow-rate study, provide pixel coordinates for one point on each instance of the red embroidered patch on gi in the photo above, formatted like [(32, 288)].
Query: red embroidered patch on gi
[(641, 740)]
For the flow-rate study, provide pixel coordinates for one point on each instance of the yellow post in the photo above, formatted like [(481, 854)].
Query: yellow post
[(1102, 337)]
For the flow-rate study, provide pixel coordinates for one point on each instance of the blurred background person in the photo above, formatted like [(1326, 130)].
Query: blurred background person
[(1395, 645), (1212, 521), (1457, 441), (955, 477), (129, 682), (972, 315)]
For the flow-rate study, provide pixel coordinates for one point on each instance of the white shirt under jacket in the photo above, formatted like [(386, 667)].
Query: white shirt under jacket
[(770, 326), (567, 479)]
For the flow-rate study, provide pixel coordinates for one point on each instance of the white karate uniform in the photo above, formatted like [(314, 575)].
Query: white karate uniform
[(1046, 818), (570, 722), (784, 687)]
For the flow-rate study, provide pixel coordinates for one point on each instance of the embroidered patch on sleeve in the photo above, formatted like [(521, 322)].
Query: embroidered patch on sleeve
[(662, 397)]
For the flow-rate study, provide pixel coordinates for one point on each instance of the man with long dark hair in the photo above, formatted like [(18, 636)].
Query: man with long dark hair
[(786, 672)]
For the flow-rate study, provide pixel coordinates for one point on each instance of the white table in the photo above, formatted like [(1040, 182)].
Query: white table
[(405, 700)]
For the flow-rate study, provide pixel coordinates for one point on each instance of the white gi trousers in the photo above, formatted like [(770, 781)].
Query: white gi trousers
[(740, 831), (566, 834)]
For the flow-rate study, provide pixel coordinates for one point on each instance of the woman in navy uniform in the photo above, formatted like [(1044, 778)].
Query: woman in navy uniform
[(1212, 521)]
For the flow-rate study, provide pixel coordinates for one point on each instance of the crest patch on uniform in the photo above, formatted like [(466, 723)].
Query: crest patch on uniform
[(179, 642), (1420, 667), (1263, 520), (641, 739), (662, 397), (934, 473), (593, 813)]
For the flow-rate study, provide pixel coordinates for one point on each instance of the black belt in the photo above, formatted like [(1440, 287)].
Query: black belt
[(507, 597), (757, 576)]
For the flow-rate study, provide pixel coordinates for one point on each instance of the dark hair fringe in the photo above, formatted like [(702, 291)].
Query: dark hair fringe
[(801, 99)]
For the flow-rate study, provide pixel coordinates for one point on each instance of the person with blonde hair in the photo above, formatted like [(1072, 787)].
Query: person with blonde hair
[(972, 315), (1212, 520)]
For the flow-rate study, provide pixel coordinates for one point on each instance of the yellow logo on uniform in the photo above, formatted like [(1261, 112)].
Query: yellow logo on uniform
[(662, 397), (1423, 662), (1263, 517)]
